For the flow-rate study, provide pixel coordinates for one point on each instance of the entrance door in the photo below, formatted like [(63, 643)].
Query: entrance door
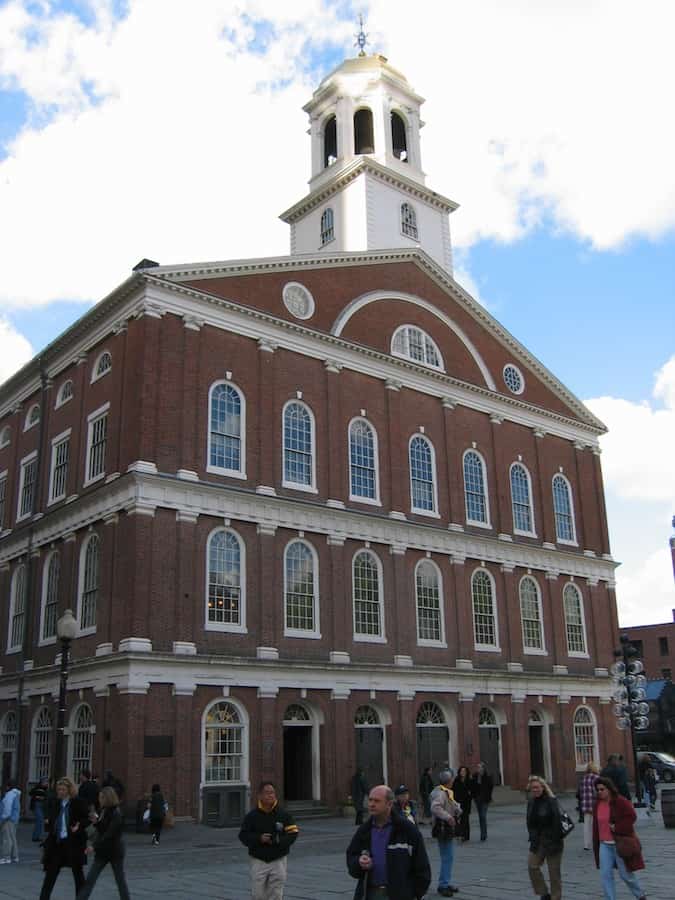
[(488, 739), (369, 754), (298, 762), (537, 764), (432, 749)]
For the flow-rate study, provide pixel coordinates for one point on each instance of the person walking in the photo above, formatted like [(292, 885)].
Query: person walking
[(269, 832), (482, 785), (461, 788), (158, 807), (88, 790), (426, 786), (38, 801), (404, 805), (64, 847), (108, 844), (387, 855), (650, 787), (615, 843), (546, 840), (445, 813), (615, 770), (10, 812), (587, 799), (359, 792)]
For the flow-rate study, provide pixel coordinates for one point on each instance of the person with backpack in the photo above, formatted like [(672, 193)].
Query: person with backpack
[(157, 807)]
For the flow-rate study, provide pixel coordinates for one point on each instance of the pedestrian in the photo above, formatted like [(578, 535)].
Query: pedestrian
[(615, 770), (445, 813), (110, 780), (426, 787), (615, 843), (359, 791), (37, 803), (405, 806), (268, 831), (158, 807), (461, 788), (387, 853), (587, 798), (10, 812), (650, 786), (546, 839), (108, 844), (481, 791), (64, 847), (88, 790)]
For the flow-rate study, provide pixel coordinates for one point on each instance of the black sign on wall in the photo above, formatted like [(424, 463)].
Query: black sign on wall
[(156, 746)]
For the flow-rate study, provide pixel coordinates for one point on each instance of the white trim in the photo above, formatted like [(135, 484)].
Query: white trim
[(486, 491), (57, 440), (31, 749), (576, 654), (230, 473), (5, 437), (240, 627), (511, 365), (570, 497), (407, 357), (596, 746), (16, 648), (356, 498), (43, 642), (316, 719), (95, 375), (500, 721), (27, 424), (22, 473), (4, 476), (299, 632), (92, 418), (487, 648), (3, 733), (70, 737), (380, 638), (433, 513), (428, 642), (245, 744), (82, 632), (533, 530), (532, 651), (59, 401), (295, 486), (416, 240)]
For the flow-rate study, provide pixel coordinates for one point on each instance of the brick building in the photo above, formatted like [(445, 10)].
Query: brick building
[(309, 511), (656, 648)]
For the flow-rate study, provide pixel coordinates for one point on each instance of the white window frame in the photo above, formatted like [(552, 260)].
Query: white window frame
[(357, 498), (92, 418), (65, 435), (413, 222), (59, 397), (240, 627), (570, 497), (576, 654), (432, 513), (82, 632), (218, 470), (314, 633), (380, 638), (486, 488), (5, 437), (33, 740), (429, 642), (532, 651), (73, 731), (43, 641), (25, 462), (294, 485), (581, 766), (533, 530), (486, 648), (95, 374), (245, 743), (27, 424), (16, 648), (328, 210), (408, 357), (3, 514)]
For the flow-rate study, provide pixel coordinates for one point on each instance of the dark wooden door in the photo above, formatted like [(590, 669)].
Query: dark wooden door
[(432, 750), (298, 762), (537, 750), (369, 754), (488, 739)]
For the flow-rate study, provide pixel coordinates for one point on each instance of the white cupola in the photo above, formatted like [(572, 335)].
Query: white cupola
[(367, 187)]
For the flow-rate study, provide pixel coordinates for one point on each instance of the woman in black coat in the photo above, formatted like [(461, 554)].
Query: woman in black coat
[(481, 791), (157, 807), (546, 841), (461, 788), (108, 844), (64, 847)]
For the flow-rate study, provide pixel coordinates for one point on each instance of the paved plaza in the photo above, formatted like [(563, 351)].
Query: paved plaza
[(195, 862)]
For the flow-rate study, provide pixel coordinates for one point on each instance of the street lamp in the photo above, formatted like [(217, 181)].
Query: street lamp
[(66, 630), (630, 706)]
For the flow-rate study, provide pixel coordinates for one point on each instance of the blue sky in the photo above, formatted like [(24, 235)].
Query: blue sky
[(186, 145)]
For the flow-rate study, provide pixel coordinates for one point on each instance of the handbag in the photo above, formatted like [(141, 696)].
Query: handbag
[(442, 830), (566, 823), (627, 845), (146, 815)]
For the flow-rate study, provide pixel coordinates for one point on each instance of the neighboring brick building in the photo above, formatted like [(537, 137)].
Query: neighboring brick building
[(309, 512), (656, 647)]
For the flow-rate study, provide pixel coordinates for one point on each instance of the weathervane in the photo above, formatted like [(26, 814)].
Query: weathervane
[(361, 38)]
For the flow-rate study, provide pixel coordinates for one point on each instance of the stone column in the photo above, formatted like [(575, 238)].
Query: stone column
[(266, 418), (398, 478), (337, 440)]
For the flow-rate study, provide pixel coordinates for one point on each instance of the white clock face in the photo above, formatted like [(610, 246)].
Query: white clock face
[(298, 300)]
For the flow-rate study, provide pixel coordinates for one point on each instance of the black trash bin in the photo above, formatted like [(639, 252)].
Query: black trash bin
[(668, 807)]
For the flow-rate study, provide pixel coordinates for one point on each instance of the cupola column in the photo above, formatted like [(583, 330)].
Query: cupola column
[(317, 143), (345, 127)]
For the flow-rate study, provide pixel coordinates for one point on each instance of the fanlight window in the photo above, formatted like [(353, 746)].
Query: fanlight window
[(42, 745), (82, 740), (296, 713), (535, 718), (65, 393), (224, 744), (399, 143), (486, 718), (413, 343), (33, 416), (103, 365), (366, 715), (409, 221), (562, 507), (327, 226), (430, 714), (330, 142), (584, 737)]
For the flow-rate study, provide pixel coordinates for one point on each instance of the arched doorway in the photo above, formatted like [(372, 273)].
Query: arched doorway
[(489, 741), (370, 750), (298, 754), (433, 739), (539, 754)]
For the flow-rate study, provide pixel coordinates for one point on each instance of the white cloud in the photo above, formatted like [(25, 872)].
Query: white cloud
[(15, 350)]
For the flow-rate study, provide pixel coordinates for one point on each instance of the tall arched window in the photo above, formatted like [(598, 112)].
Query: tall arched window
[(363, 462), (411, 342), (89, 582), (81, 740), (32, 416), (530, 616), (225, 595), (301, 590), (298, 446), (65, 393), (364, 141), (50, 597), (225, 744), (585, 737), (399, 141), (429, 602), (327, 226), (227, 430), (330, 142), (367, 594), (422, 475), (17, 609), (409, 221), (475, 492), (102, 366), (8, 735), (521, 500), (575, 626), (565, 531), (42, 744), (485, 631), (5, 436)]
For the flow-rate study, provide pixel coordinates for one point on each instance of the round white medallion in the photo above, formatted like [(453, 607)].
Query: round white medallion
[(298, 300), (513, 379)]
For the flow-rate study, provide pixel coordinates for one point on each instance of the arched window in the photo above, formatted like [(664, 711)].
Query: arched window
[(65, 393), (330, 142), (485, 631), (487, 719), (225, 595), (298, 446), (32, 416), (575, 627), (430, 713), (327, 226), (42, 744), (562, 506), (366, 716), (409, 221), (301, 590), (475, 493), (89, 582), (102, 366), (50, 597), (399, 141), (8, 735), (17, 609), (224, 744), (412, 343), (521, 500), (5, 437), (296, 713), (422, 475), (81, 739), (363, 462), (585, 737), (429, 602), (367, 594), (227, 430), (363, 132), (530, 616)]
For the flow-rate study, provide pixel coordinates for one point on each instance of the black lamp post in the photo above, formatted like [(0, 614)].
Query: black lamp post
[(630, 706), (66, 630)]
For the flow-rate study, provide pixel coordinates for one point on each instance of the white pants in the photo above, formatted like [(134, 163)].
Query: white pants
[(268, 879), (588, 831), (10, 848)]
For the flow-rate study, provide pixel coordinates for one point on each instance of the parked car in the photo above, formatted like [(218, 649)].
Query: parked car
[(662, 763)]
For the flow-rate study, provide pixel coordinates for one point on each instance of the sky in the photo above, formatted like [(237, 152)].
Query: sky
[(175, 131)]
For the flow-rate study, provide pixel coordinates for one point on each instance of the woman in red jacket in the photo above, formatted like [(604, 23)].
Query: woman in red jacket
[(613, 818)]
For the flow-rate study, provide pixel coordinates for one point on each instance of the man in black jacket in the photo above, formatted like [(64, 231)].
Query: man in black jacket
[(66, 825), (88, 790), (387, 853), (616, 770), (268, 831)]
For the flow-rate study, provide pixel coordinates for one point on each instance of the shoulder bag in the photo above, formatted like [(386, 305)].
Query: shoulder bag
[(566, 823), (442, 830)]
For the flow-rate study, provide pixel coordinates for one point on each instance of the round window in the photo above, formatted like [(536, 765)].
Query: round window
[(513, 379), (298, 300)]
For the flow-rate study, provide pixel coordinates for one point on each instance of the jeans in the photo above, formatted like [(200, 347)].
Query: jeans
[(97, 867), (588, 831), (482, 809), (39, 824), (608, 859), (446, 850), (10, 847)]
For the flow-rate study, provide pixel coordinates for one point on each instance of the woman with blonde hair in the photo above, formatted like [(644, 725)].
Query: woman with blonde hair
[(546, 842), (587, 801), (108, 844), (64, 847)]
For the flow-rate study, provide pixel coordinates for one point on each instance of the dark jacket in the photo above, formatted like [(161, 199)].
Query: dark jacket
[(622, 815), (108, 843), (38, 794), (359, 788), (276, 822), (157, 807), (462, 791), (482, 791), (408, 869), (426, 786), (619, 776), (89, 792), (77, 814), (543, 826)]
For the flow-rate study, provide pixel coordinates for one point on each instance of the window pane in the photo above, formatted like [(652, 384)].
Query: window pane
[(28, 489), (520, 499), (90, 584), (51, 598), (98, 429), (474, 488), (562, 505), (225, 450), (60, 454), (299, 587), (366, 595), (362, 460), (421, 475), (530, 613), (297, 445), (19, 608), (223, 740), (574, 623), (483, 610), (224, 592), (428, 603)]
